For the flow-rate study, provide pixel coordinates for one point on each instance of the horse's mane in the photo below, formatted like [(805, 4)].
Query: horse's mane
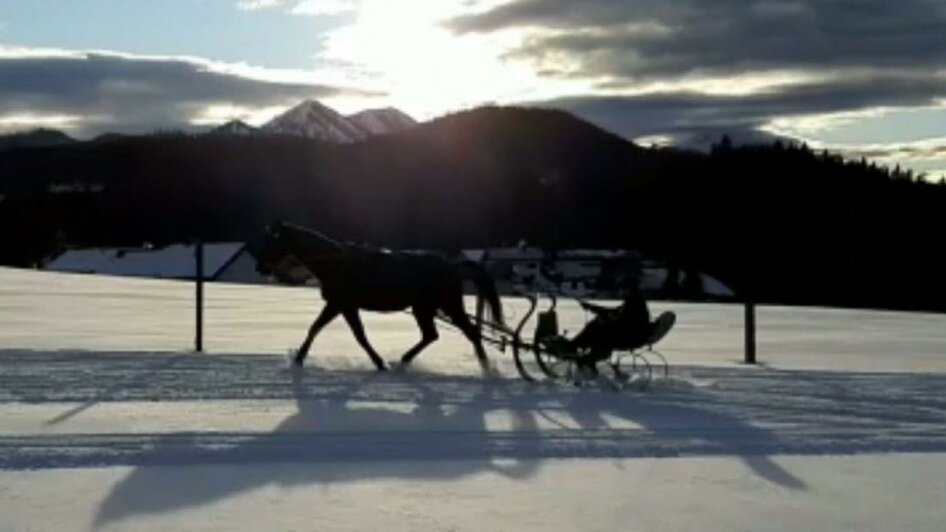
[(311, 236)]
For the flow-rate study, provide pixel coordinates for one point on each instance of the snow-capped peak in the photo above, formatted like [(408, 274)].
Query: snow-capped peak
[(382, 121), (314, 120), (235, 127)]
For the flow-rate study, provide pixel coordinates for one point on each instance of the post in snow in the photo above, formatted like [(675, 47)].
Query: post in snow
[(750, 331), (199, 277)]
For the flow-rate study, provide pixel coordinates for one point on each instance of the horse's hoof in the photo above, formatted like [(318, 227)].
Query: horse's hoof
[(488, 370), (397, 367), (295, 357)]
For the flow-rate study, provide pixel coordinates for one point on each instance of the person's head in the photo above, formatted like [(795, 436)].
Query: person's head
[(630, 286)]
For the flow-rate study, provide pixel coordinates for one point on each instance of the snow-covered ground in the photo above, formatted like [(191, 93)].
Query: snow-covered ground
[(107, 420)]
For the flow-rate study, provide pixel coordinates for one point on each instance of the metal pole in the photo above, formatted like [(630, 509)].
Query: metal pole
[(750, 331), (199, 276)]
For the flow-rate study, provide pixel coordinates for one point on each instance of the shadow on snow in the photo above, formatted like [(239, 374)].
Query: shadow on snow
[(358, 426)]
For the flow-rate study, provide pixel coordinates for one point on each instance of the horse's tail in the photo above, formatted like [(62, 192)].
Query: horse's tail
[(487, 291)]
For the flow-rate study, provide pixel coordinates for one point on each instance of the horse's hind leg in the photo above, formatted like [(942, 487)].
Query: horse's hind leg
[(459, 318), (328, 314), (354, 322), (428, 330)]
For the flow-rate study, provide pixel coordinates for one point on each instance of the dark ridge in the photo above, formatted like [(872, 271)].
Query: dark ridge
[(778, 221)]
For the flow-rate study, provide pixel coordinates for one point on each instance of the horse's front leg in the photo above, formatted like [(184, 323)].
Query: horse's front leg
[(328, 314), (354, 321)]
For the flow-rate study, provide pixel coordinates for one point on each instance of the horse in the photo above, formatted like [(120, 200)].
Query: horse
[(354, 278)]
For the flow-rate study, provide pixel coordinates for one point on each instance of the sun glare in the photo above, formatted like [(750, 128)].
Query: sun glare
[(404, 49)]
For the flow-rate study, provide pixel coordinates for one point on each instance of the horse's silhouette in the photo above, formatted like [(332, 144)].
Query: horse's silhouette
[(355, 278)]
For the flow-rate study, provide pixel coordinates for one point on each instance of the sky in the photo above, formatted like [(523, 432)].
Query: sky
[(865, 77)]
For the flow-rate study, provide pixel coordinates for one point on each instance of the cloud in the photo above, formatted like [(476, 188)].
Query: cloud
[(692, 70), (923, 150), (259, 5), (15, 122), (622, 47), (694, 120), (648, 38), (693, 117), (301, 7), (323, 7), (927, 156), (929, 149), (88, 93)]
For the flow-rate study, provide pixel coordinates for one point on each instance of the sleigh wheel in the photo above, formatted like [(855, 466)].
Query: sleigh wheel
[(661, 361), (518, 347), (556, 364), (632, 370)]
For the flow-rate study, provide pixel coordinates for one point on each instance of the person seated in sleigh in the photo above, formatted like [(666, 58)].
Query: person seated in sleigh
[(626, 327)]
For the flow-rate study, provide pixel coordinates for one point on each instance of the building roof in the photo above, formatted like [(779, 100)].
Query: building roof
[(174, 262), (532, 253)]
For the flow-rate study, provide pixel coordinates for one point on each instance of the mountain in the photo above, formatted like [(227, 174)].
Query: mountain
[(314, 120), (382, 121), (237, 128), (111, 137), (706, 140), (37, 138), (778, 223)]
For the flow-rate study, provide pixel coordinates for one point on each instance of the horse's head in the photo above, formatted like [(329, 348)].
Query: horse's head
[(287, 251), (270, 249)]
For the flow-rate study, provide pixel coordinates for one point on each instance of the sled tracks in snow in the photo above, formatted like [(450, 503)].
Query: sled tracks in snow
[(58, 411)]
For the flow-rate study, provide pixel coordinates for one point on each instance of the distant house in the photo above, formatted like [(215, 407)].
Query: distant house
[(587, 272), (224, 262), (573, 272), (76, 187), (655, 275)]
